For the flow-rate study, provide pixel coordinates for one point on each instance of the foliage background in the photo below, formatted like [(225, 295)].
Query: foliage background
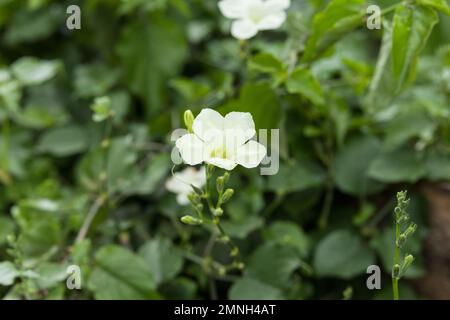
[(360, 118)]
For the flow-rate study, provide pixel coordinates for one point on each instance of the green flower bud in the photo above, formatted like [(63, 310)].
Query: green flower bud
[(191, 220), (222, 271), (407, 261), (220, 184), (234, 252), (199, 207), (218, 212), (396, 271), (188, 120), (194, 198), (227, 195), (401, 241), (226, 176)]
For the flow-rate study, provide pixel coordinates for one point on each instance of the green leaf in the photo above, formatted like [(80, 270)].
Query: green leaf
[(93, 80), (273, 264), (438, 167), (242, 228), (301, 81), (33, 25), (351, 166), (260, 100), (338, 18), (289, 234), (119, 274), (163, 259), (403, 165), (152, 50), (251, 289), (8, 273), (411, 28), (296, 176), (63, 141), (342, 254), (101, 108), (145, 183), (265, 62), (32, 71), (6, 228), (440, 5)]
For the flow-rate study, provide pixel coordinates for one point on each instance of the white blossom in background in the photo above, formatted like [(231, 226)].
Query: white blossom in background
[(222, 141), (251, 16), (181, 182)]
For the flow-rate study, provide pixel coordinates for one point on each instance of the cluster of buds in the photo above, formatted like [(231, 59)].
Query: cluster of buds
[(404, 229)]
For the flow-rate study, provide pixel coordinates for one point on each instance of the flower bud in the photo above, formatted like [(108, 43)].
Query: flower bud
[(227, 195), (226, 176), (220, 184), (234, 252), (188, 120), (218, 212), (191, 220), (396, 271), (194, 198), (407, 261), (401, 240)]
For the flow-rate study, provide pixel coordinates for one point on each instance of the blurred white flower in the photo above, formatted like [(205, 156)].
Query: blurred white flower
[(222, 141), (251, 16), (180, 183)]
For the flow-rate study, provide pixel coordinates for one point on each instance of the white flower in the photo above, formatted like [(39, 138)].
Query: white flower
[(222, 141), (251, 16), (181, 183)]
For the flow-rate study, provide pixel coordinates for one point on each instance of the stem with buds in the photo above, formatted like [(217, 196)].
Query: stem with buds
[(401, 219)]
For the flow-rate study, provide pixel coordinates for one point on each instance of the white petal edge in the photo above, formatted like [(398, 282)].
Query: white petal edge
[(208, 124), (272, 21), (240, 127), (182, 199), (251, 154), (232, 9), (226, 164), (277, 5), (191, 149), (243, 29)]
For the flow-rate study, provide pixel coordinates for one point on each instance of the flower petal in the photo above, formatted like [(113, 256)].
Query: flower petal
[(250, 154), (226, 164), (240, 123), (243, 29), (232, 9), (208, 124), (277, 5), (272, 21), (191, 149), (182, 199)]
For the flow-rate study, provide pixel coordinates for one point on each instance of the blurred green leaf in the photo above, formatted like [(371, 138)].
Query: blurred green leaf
[(342, 254), (251, 289), (397, 166), (286, 233), (301, 81), (164, 261), (7, 273), (411, 28), (351, 166), (119, 274), (329, 25), (152, 51), (273, 264), (63, 141), (32, 71)]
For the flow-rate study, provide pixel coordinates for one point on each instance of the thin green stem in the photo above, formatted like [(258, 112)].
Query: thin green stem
[(396, 261)]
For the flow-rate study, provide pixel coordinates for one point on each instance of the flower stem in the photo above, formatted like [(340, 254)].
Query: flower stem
[(396, 261)]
